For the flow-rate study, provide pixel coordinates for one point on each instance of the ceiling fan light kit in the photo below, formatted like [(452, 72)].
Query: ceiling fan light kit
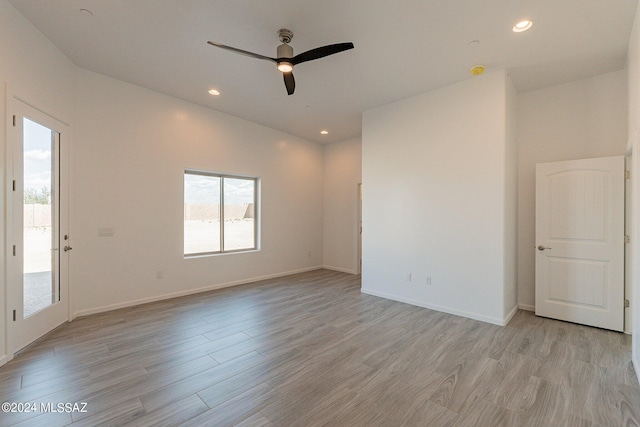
[(285, 59)]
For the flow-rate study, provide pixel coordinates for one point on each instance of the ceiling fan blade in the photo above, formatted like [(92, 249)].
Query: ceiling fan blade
[(243, 52), (289, 82), (320, 52)]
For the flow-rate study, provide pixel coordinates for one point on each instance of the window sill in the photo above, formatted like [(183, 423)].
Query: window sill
[(215, 254)]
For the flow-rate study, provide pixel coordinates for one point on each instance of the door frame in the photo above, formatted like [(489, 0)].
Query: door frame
[(14, 223), (628, 232), (359, 232)]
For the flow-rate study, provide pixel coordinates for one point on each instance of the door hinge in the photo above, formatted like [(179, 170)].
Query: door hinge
[(14, 315), (626, 303), (627, 239), (14, 250), (14, 185), (14, 120), (627, 174)]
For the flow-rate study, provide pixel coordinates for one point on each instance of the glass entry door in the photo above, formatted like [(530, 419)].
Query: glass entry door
[(38, 280), (40, 204)]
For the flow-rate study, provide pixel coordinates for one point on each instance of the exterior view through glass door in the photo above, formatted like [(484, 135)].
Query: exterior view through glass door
[(41, 281), (38, 288)]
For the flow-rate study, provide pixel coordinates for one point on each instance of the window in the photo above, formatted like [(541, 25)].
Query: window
[(220, 213)]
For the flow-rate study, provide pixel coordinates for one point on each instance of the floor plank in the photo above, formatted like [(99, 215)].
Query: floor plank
[(310, 349)]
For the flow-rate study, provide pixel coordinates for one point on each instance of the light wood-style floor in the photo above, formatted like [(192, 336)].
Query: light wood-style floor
[(310, 349)]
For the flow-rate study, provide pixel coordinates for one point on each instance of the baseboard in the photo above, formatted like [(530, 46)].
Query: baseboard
[(341, 270), (474, 316), (527, 307), (510, 315), (4, 359), (132, 303)]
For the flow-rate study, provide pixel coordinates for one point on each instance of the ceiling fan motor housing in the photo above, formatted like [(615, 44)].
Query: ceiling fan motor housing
[(285, 51)]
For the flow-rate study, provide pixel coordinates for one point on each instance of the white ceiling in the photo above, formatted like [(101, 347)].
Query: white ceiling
[(402, 48)]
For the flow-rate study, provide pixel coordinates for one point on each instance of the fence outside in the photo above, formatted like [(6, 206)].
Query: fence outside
[(201, 212), (37, 215)]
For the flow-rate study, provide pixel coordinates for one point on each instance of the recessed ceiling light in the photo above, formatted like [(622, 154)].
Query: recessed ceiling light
[(324, 132), (86, 12), (214, 92), (521, 26)]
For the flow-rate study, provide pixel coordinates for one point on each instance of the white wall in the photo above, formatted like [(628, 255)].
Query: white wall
[(434, 170), (633, 72), (581, 119), (342, 174), (39, 74), (131, 148)]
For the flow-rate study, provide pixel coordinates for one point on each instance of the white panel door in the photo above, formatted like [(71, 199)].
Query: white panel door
[(580, 241)]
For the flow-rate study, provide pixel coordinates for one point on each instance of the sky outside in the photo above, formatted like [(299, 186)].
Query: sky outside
[(201, 189), (37, 156)]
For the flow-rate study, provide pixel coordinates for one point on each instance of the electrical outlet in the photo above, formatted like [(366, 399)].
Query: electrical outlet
[(309, 254), (408, 277), (106, 232), (159, 274), (428, 281)]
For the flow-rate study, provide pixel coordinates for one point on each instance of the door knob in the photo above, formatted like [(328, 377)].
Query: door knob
[(67, 248), (542, 248)]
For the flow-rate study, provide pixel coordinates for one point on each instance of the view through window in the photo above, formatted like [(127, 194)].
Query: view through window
[(219, 213)]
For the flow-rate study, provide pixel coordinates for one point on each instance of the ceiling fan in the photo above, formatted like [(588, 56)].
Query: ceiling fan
[(285, 59)]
